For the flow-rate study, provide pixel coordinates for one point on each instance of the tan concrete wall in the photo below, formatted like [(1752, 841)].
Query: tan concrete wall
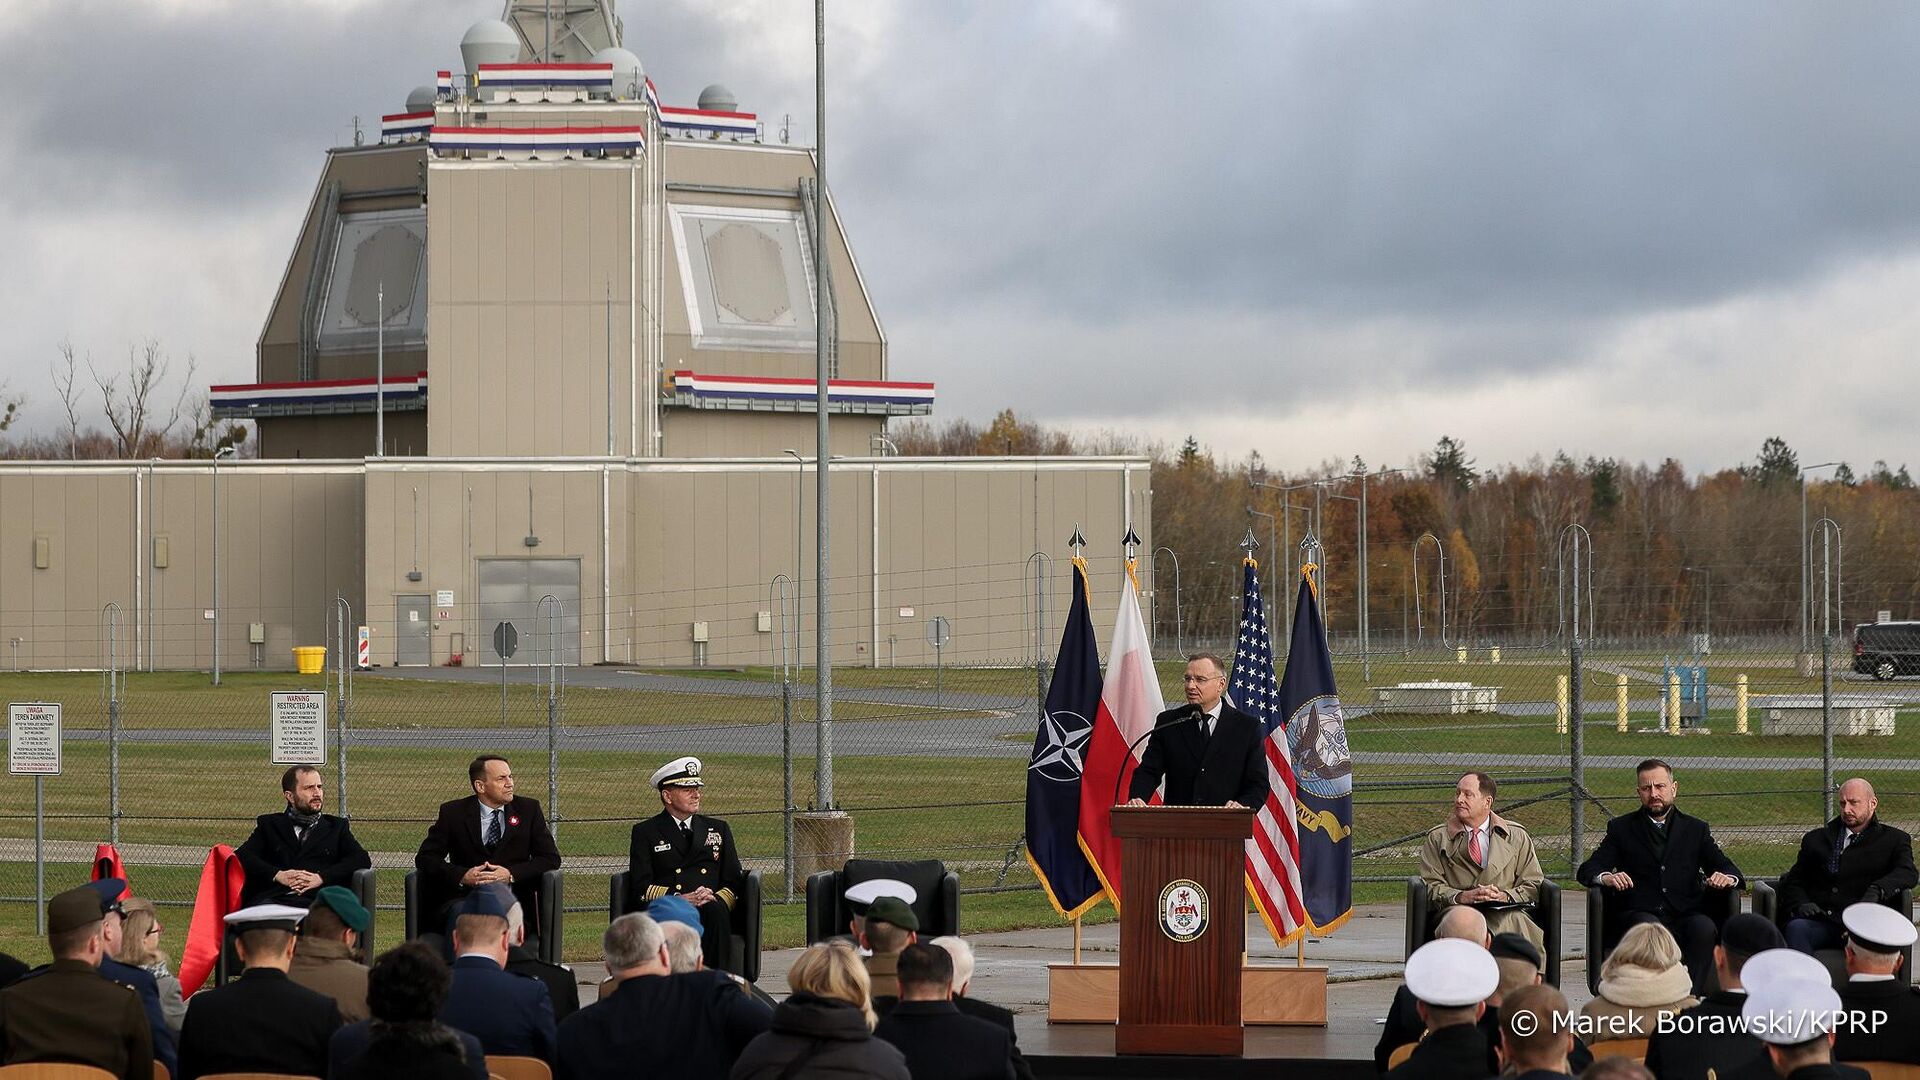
[(347, 436), (711, 433), (290, 542)]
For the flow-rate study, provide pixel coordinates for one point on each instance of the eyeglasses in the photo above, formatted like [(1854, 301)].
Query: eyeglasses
[(1200, 678)]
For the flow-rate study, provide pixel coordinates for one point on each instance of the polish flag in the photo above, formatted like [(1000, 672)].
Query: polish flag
[(1130, 700)]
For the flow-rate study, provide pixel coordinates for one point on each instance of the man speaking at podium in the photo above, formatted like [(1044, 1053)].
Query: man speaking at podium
[(1208, 752)]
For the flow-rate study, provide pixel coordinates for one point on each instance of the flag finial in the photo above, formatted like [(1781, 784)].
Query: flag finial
[(1077, 542), (1130, 541), (1248, 544)]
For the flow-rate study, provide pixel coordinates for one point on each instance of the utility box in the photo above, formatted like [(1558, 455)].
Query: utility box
[(256, 633), (700, 635), (763, 622)]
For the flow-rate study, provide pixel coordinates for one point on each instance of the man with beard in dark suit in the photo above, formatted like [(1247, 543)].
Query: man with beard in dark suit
[(1215, 756), (262, 1022), (1875, 936), (1658, 862), (681, 852), (1854, 857), (490, 837), (298, 851), (1706, 1036)]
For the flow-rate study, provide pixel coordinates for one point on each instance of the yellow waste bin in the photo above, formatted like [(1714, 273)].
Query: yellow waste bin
[(310, 659)]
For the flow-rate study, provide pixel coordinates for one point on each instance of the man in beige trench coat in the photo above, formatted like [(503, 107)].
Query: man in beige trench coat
[(1477, 857)]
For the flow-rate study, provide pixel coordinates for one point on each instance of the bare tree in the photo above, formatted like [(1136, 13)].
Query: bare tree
[(131, 411), (64, 373)]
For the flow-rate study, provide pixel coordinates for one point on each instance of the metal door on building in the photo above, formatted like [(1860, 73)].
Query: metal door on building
[(510, 591), (412, 630)]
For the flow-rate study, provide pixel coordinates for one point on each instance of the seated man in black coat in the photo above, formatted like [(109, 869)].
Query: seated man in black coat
[(263, 1021), (1875, 936), (1452, 980), (491, 836), (1854, 857), (941, 1043), (1706, 1036), (1657, 861), (297, 851), (963, 999)]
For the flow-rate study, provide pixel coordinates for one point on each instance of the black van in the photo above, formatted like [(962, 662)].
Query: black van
[(1884, 650)]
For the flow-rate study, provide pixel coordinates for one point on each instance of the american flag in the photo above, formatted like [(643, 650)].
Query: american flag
[(1273, 853)]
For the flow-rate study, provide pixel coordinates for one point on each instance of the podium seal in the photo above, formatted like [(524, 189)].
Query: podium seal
[(1183, 910)]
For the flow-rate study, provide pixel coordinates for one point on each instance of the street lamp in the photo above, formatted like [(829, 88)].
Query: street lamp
[(1419, 624), (799, 519), (1706, 620), (225, 451), (1268, 597), (1286, 508), (1806, 563)]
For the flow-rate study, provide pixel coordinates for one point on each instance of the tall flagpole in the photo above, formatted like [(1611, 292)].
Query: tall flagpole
[(822, 637)]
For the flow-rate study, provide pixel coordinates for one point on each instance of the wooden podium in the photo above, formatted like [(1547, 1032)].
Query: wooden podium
[(1183, 928)]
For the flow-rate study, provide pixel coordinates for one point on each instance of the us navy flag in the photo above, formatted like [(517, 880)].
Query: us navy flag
[(1322, 765), (1053, 773)]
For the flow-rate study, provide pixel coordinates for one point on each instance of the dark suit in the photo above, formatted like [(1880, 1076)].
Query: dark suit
[(143, 983), (453, 846), (1875, 866), (260, 1022), (508, 1013), (328, 849), (1202, 770), (12, 970), (663, 859), (1578, 1057), (1764, 1071), (1895, 1039), (985, 1010), (352, 1041), (1669, 870), (1686, 1053), (1455, 1052), (562, 988), (694, 1024), (941, 1043), (67, 1012), (1403, 1026)]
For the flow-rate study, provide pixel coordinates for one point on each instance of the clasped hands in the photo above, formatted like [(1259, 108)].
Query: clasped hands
[(300, 881), (486, 874)]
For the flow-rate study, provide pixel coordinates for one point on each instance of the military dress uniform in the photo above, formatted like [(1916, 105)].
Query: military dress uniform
[(667, 858)]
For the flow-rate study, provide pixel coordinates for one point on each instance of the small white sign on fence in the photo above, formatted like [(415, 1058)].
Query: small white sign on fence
[(33, 739), (299, 727)]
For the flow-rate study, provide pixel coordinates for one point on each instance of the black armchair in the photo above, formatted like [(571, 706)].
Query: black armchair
[(551, 915), (1718, 904), (227, 964), (937, 909), (1766, 903), (1545, 911), (747, 918)]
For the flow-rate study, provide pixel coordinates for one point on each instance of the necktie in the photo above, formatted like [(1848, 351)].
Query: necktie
[(1474, 851), (493, 828)]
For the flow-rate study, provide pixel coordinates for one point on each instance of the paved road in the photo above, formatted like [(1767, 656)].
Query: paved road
[(617, 678)]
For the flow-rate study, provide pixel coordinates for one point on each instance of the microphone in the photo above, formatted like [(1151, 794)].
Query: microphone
[(1194, 713)]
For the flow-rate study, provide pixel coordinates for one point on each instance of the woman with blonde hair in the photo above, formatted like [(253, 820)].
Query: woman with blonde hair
[(140, 947), (825, 1028), (1642, 978)]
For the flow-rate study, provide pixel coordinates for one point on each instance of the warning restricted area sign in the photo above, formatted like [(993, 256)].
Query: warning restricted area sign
[(299, 727)]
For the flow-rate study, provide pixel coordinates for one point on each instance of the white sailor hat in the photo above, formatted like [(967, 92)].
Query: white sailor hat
[(1791, 1012), (860, 894), (680, 772), (1777, 967), (1877, 927), (1450, 972), (267, 917)]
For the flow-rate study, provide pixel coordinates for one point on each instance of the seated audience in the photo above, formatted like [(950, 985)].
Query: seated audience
[(1855, 857), (698, 1021), (939, 1041), (1478, 857), (1712, 1041), (562, 988), (406, 987), (111, 892), (323, 959), (1876, 934), (825, 1027), (1403, 1024), (1534, 1035), (69, 1012), (140, 947), (1796, 1018), (963, 999), (1616, 1068), (1642, 979), (510, 1014), (889, 926), (1451, 979), (1520, 966), (263, 1021)]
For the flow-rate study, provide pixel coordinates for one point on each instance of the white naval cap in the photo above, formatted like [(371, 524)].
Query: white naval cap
[(1450, 972), (680, 772), (267, 917), (1778, 967), (1791, 1012), (1878, 927), (860, 894)]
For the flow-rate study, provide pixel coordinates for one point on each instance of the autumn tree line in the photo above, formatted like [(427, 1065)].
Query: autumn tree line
[(1664, 542)]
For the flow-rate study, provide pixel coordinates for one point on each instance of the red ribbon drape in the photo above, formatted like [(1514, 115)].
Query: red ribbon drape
[(221, 881), (107, 864)]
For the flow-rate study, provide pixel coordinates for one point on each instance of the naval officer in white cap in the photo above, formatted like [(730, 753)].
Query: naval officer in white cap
[(262, 1022), (1876, 934), (680, 852), (1796, 1019), (1452, 980)]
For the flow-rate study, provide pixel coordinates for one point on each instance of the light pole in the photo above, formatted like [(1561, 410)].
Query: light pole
[(799, 521), (225, 451), (1706, 617), (1806, 563), (1268, 597), (1420, 626), (1179, 645), (1286, 511)]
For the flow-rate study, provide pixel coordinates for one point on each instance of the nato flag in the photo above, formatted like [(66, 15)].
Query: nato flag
[(1053, 774)]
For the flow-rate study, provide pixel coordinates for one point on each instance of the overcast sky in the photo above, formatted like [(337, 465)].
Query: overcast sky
[(1311, 229)]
